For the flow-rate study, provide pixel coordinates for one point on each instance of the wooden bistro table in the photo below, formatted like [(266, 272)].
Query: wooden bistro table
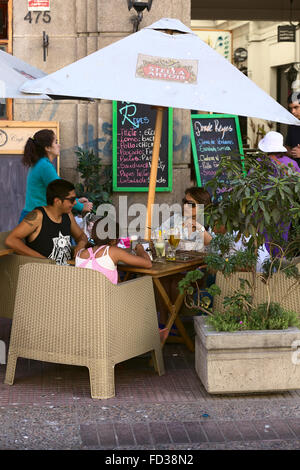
[(186, 261), (6, 251)]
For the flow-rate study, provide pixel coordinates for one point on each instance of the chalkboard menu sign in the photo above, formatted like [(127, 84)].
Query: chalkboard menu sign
[(214, 136), (133, 137)]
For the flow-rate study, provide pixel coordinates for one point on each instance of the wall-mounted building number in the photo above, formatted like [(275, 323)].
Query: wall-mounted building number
[(35, 16)]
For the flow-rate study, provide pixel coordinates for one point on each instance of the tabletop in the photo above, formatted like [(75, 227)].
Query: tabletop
[(185, 260), (6, 251)]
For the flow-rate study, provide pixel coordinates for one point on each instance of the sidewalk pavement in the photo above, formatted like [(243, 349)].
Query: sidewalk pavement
[(49, 408)]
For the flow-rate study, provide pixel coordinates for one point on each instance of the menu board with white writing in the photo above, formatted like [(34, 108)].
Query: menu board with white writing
[(133, 138), (214, 136)]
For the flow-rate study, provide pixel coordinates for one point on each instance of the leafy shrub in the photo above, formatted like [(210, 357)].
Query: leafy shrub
[(96, 179), (262, 317)]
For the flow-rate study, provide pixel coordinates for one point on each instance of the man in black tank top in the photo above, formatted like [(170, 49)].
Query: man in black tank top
[(47, 230)]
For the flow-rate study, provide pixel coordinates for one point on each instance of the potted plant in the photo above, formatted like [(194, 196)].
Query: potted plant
[(245, 343), (96, 181)]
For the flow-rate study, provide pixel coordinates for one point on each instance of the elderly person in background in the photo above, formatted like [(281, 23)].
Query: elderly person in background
[(272, 145)]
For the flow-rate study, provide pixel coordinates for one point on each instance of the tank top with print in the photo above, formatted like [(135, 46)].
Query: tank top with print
[(54, 239)]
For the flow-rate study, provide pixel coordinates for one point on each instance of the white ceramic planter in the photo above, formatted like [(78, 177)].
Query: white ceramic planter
[(247, 361)]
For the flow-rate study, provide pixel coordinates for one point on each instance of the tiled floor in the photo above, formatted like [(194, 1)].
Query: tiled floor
[(49, 407)]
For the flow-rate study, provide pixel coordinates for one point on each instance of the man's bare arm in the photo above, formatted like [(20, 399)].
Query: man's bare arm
[(28, 226), (78, 234)]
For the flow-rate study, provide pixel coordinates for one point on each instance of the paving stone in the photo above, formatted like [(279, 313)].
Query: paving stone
[(106, 435), (295, 426), (230, 431), (282, 429), (265, 430), (247, 430), (177, 432), (88, 434), (124, 434), (213, 432), (195, 432), (141, 433), (160, 433)]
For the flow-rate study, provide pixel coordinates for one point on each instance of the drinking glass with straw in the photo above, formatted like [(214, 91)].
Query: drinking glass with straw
[(159, 245)]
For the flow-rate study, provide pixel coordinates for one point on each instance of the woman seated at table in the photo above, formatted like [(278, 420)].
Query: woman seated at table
[(105, 255), (193, 235)]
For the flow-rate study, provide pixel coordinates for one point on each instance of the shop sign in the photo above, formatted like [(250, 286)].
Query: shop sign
[(286, 33), (39, 5), (162, 68)]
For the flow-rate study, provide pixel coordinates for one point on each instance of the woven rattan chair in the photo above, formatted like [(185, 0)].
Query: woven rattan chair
[(279, 286), (9, 272), (77, 316)]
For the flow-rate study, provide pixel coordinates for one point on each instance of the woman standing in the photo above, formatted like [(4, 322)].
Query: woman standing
[(39, 153)]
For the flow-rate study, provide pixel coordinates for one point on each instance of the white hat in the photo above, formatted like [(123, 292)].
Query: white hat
[(272, 142)]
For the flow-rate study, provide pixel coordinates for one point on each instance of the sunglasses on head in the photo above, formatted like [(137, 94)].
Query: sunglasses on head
[(71, 199), (190, 203)]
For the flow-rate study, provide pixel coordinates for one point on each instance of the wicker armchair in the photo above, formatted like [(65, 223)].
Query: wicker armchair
[(9, 272), (77, 316), (279, 285)]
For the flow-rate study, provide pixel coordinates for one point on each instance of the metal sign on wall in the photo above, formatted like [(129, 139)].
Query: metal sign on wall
[(286, 33), (14, 134), (39, 5)]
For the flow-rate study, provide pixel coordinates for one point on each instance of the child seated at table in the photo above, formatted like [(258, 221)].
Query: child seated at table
[(105, 255)]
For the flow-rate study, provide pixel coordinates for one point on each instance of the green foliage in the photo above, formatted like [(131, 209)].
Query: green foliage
[(240, 300), (263, 317), (96, 178), (185, 285), (189, 285), (240, 312), (222, 243), (240, 260), (259, 198)]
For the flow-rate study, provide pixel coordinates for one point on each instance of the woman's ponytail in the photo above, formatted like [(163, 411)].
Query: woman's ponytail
[(35, 148)]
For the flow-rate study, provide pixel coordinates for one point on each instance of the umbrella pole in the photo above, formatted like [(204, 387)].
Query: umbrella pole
[(154, 166)]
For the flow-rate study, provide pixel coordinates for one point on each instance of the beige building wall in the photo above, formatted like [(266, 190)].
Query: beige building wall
[(78, 28), (265, 55)]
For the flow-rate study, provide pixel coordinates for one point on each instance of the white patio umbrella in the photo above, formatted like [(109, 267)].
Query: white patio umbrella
[(13, 73), (160, 67)]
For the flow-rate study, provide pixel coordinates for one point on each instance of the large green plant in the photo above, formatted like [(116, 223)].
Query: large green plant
[(258, 199), (241, 311), (96, 179)]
